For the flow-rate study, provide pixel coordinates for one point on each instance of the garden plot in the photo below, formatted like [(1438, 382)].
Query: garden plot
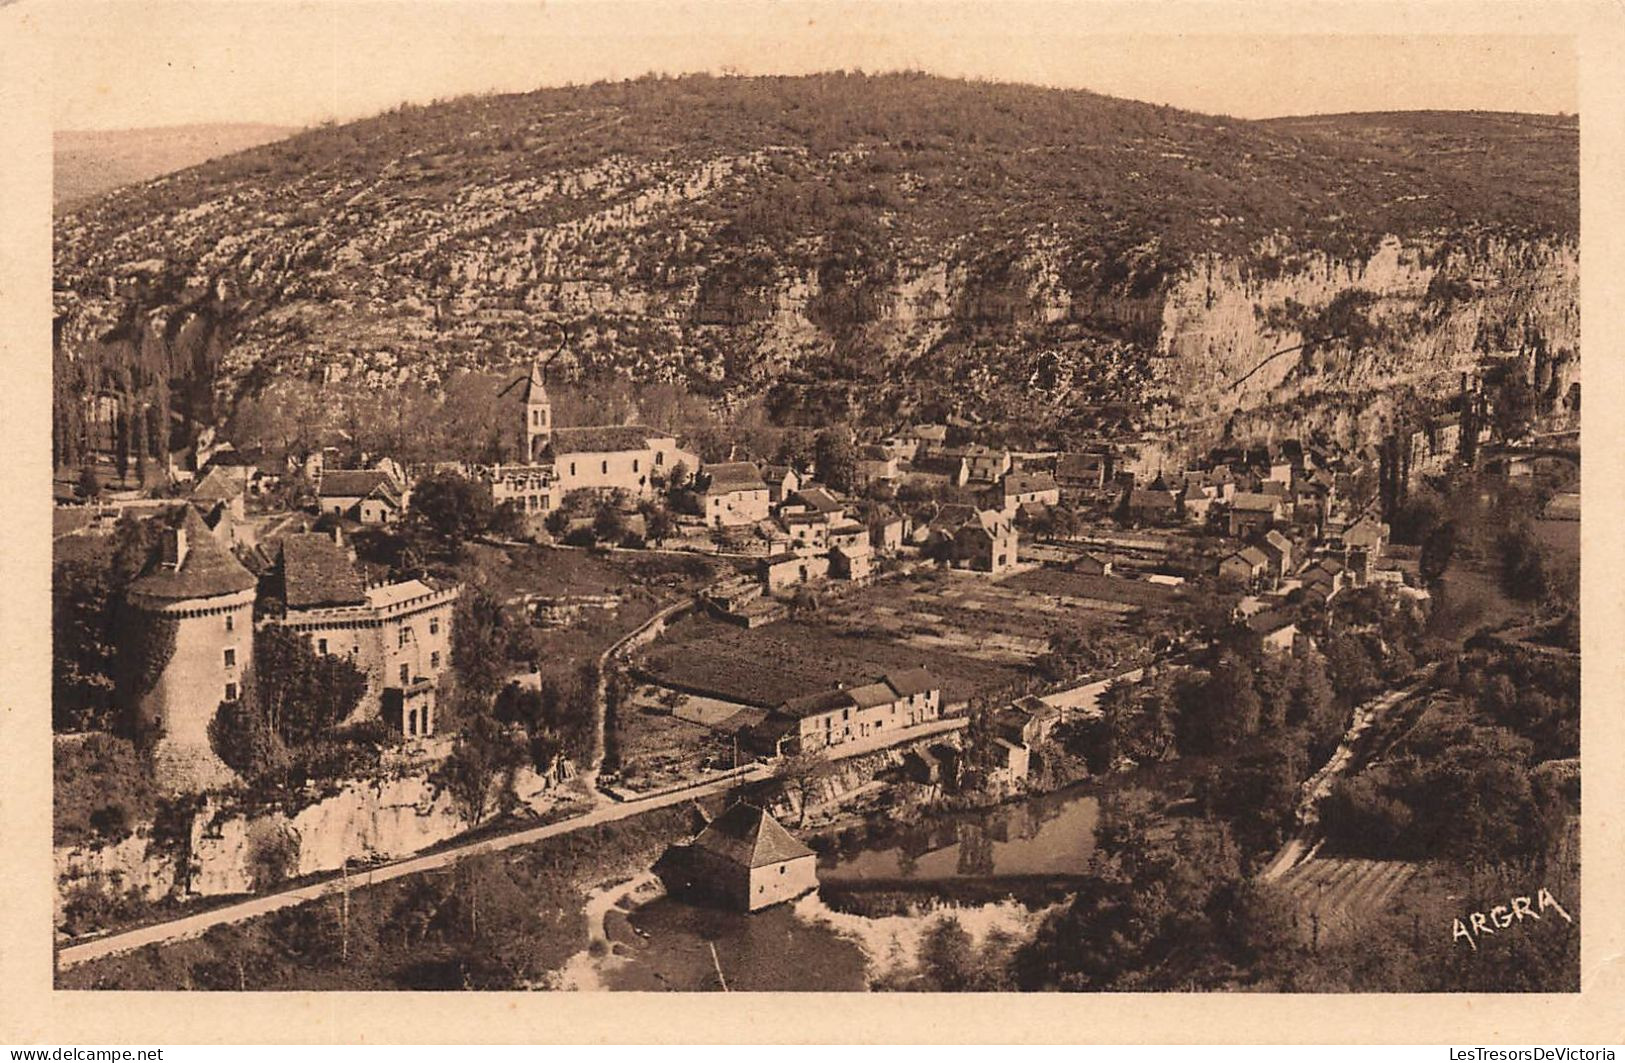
[(977, 635)]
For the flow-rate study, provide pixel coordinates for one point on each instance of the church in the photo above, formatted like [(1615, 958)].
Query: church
[(602, 458)]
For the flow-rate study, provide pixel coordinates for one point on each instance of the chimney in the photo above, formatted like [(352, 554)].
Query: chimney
[(175, 547)]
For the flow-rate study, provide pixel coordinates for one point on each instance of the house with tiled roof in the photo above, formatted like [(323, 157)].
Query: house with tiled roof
[(1253, 513), (1246, 566), (827, 718), (781, 481), (983, 540), (743, 859), (875, 465), (1084, 470), (220, 485), (1018, 489), (734, 494), (369, 496)]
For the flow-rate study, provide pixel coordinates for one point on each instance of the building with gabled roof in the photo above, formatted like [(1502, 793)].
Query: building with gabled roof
[(745, 859), (735, 494), (892, 703), (370, 496)]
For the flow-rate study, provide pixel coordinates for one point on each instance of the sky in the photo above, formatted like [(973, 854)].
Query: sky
[(120, 65)]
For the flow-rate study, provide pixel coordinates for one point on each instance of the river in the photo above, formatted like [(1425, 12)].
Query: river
[(667, 944)]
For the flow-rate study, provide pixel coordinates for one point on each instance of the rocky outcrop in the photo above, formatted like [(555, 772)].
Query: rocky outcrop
[(223, 849)]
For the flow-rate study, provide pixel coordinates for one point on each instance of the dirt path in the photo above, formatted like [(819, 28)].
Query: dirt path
[(1303, 845), (585, 970)]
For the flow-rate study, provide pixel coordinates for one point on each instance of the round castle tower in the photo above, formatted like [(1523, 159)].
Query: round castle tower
[(191, 633)]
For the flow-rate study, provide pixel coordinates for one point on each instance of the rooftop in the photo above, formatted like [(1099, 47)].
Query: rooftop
[(317, 571), (748, 836), (603, 439), (733, 476), (203, 569)]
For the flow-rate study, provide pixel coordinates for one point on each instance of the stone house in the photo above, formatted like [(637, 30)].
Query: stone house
[(743, 859), (735, 494), (876, 464), (1252, 513), (370, 496), (789, 569), (1023, 488), (979, 539), (896, 701)]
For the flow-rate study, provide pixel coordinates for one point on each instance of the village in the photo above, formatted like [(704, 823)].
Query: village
[(913, 619)]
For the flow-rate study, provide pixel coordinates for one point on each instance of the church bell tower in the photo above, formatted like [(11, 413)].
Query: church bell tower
[(538, 414)]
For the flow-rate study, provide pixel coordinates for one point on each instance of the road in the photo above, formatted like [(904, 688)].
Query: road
[(192, 926)]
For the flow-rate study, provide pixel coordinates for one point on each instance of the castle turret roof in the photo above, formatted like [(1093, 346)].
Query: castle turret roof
[(191, 563)]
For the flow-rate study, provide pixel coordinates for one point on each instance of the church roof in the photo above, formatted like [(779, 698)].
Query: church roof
[(206, 569), (603, 439), (317, 571), (748, 836)]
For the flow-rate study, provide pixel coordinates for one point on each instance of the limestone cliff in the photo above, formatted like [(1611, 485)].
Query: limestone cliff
[(858, 245)]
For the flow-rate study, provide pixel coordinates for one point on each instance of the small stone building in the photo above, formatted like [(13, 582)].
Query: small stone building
[(743, 859)]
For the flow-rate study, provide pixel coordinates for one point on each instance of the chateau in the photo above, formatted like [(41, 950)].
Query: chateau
[(190, 638), (601, 458), (398, 634)]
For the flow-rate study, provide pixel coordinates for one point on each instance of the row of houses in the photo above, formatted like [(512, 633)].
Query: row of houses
[(844, 714)]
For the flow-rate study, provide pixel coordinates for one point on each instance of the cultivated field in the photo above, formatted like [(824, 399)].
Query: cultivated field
[(975, 633)]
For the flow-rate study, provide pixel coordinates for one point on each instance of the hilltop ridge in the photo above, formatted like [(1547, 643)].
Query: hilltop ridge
[(835, 244)]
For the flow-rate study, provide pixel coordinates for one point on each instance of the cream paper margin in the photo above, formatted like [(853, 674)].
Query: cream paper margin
[(32, 1012)]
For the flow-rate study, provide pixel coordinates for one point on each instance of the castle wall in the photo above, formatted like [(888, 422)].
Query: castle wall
[(380, 641)]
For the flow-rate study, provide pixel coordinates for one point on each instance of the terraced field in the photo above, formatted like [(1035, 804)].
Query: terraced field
[(1344, 894)]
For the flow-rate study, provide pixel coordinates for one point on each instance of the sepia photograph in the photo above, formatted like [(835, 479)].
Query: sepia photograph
[(898, 498)]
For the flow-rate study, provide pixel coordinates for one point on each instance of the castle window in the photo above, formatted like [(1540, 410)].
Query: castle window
[(231, 622), (434, 660), (572, 468), (606, 468), (231, 658), (660, 457), (406, 674), (231, 691), (434, 625), (634, 464)]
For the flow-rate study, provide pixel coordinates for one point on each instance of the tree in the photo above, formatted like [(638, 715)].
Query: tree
[(1523, 563), (244, 742), (836, 458), (1438, 547), (799, 773), (300, 693), (659, 524), (948, 957), (484, 751), (451, 508), (90, 483), (1220, 709), (478, 641), (608, 523)]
